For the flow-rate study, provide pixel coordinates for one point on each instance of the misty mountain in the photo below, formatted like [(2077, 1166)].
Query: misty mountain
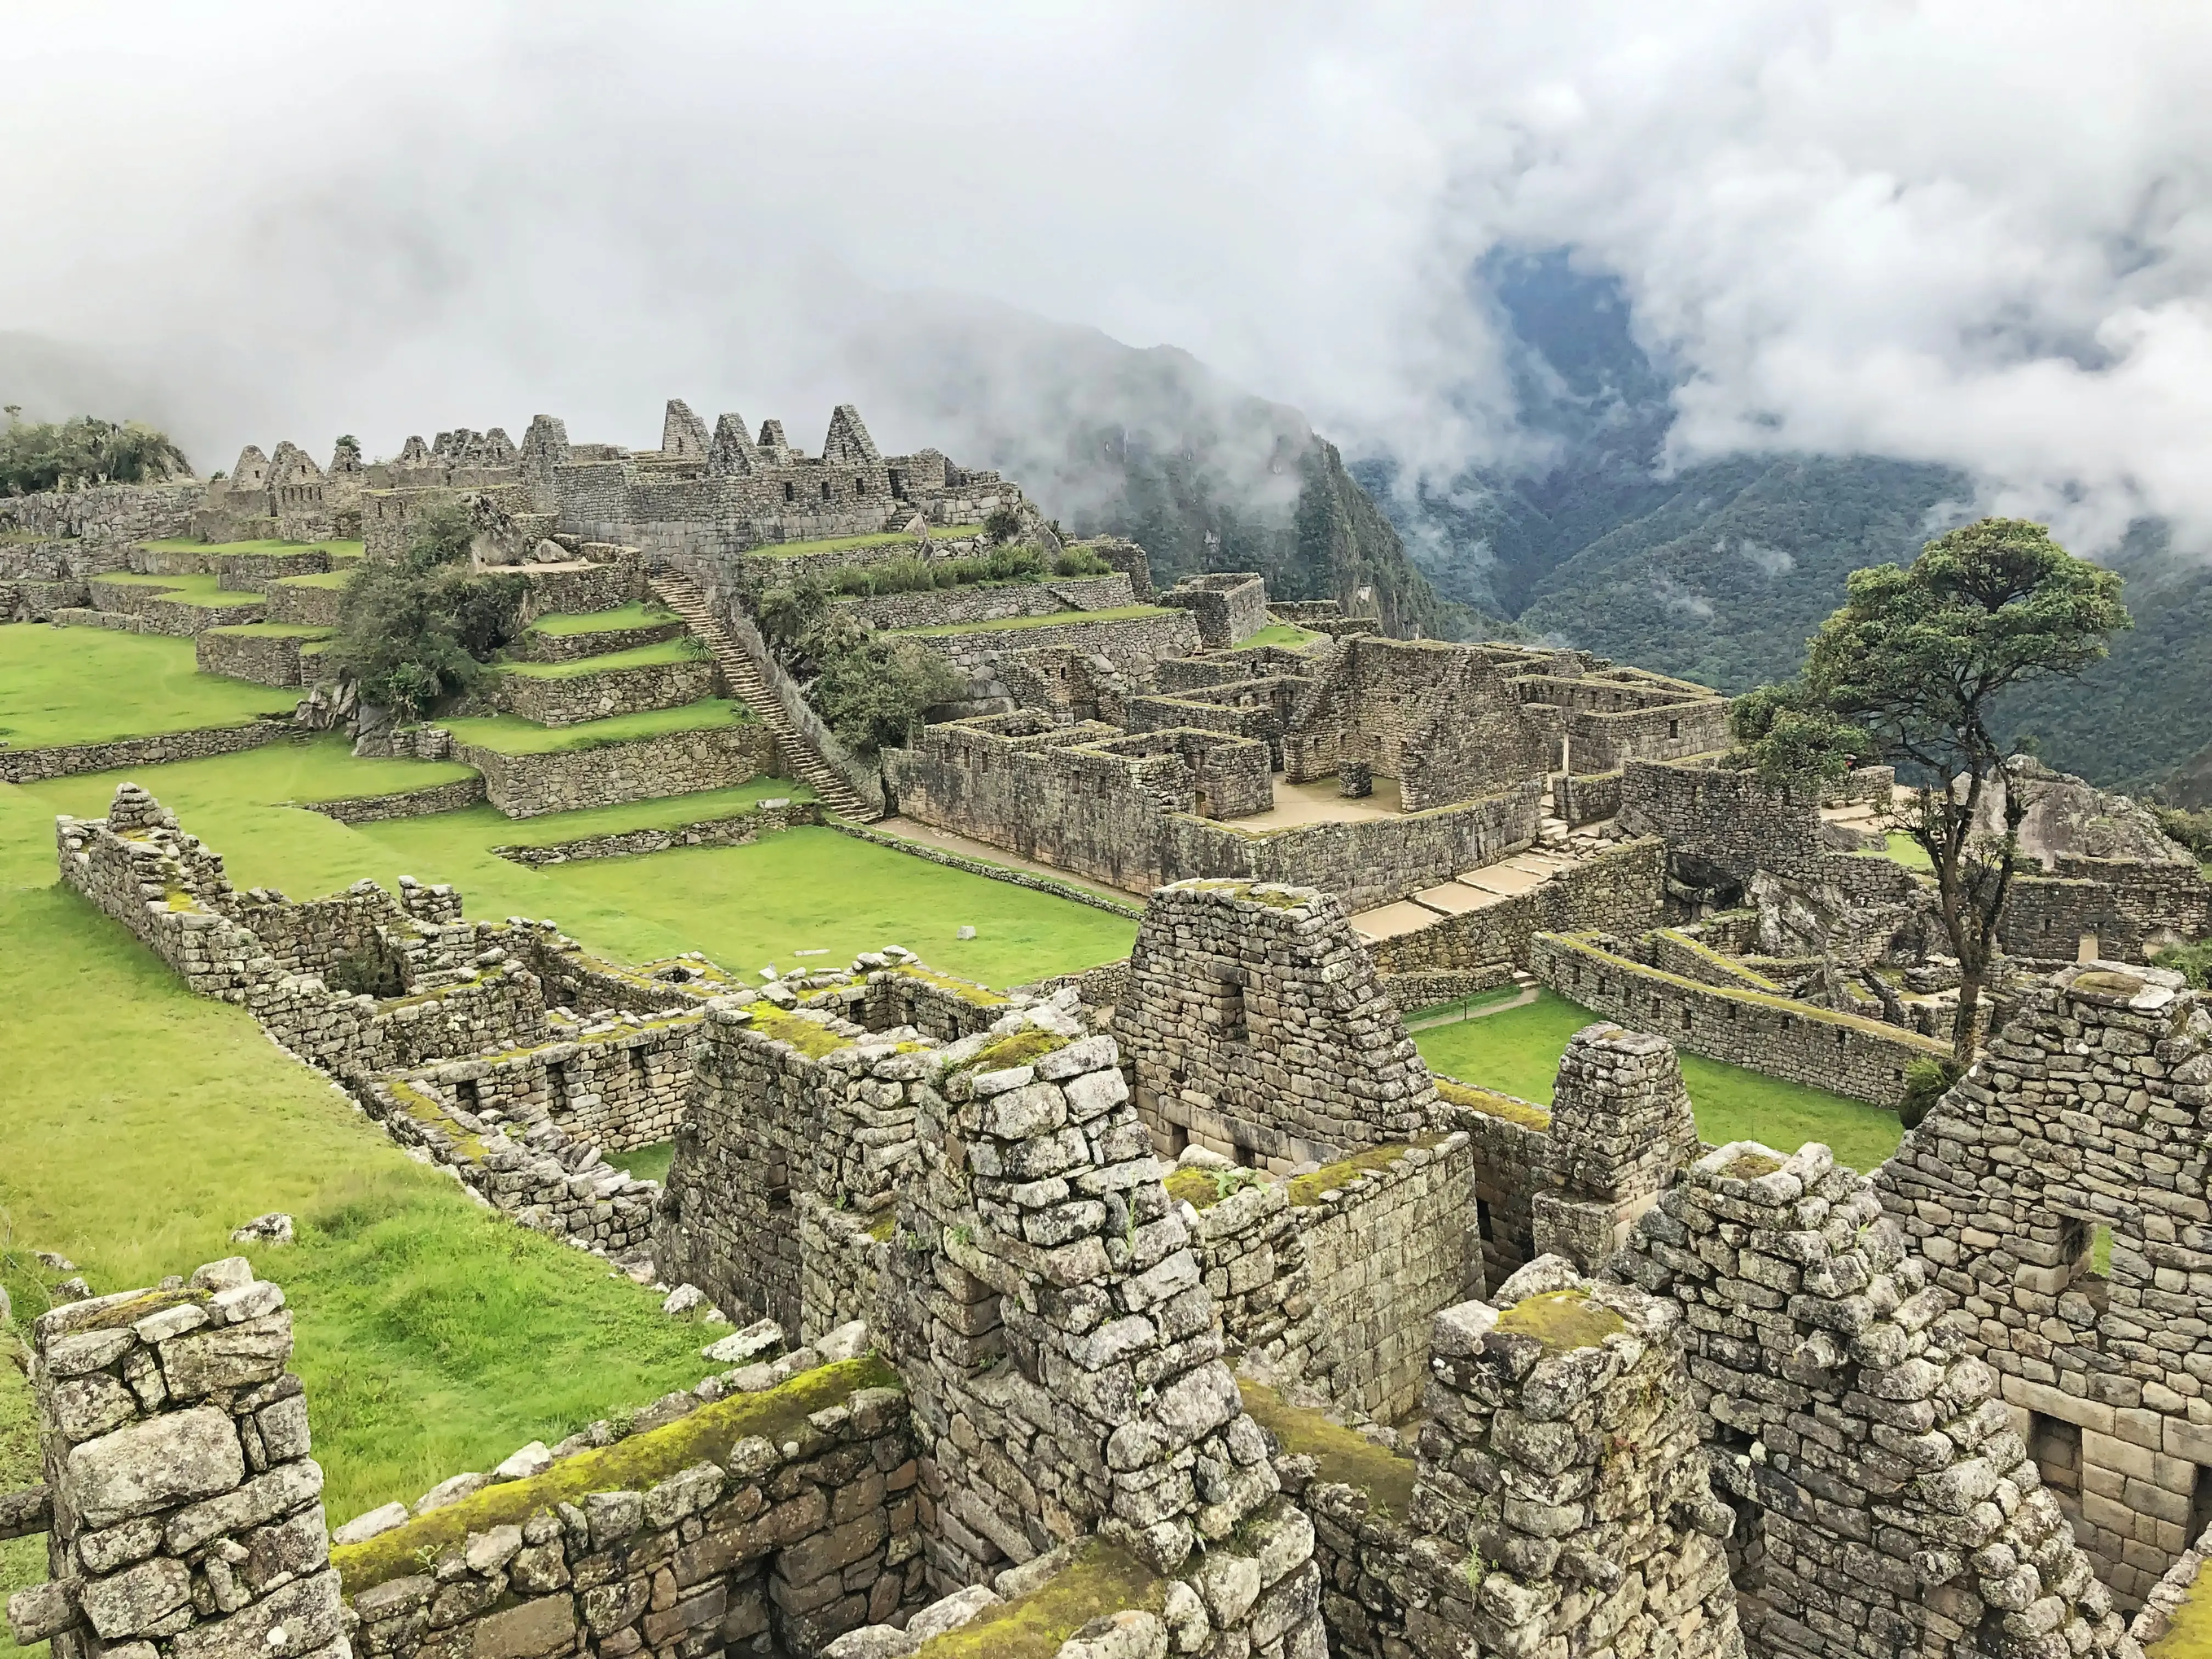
[(1719, 571)]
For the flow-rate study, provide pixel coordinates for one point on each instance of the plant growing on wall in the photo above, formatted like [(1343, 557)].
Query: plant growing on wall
[(1912, 669)]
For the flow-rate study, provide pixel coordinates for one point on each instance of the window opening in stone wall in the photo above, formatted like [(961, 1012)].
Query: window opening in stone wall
[(791, 492), (1482, 1220), (2056, 1446), (778, 1183), (826, 490), (637, 1067), (2200, 1503), (1229, 1011), (898, 484), (1674, 728), (557, 1086), (467, 1096)]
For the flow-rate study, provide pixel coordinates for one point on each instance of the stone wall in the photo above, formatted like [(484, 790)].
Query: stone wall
[(937, 607), (534, 647), (264, 658), (1587, 799), (571, 700), (607, 774), (747, 1522), (1886, 1501), (1229, 607), (1844, 1054), (1327, 1283), (1620, 890), (2130, 907), (106, 513), (1131, 643), (739, 829), (302, 603), (186, 1516), (1511, 1141), (2081, 1120), (1255, 1027), (1620, 1128), (453, 796), (66, 759)]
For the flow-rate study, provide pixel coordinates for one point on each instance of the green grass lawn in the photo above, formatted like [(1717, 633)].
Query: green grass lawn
[(1289, 635), (682, 649), (507, 734), (434, 1335), (64, 685), (848, 544), (320, 579), (646, 1163), (602, 622), (205, 591), (1057, 619), (1908, 852), (667, 813), (1517, 1051), (22, 1560)]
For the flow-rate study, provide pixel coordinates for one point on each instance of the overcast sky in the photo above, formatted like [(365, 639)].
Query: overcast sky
[(1970, 232)]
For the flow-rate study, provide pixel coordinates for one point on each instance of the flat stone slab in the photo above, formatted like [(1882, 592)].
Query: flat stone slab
[(1388, 920), (1503, 880), (1456, 898)]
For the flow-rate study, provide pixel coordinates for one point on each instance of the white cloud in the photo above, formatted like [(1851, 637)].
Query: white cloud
[(1974, 234)]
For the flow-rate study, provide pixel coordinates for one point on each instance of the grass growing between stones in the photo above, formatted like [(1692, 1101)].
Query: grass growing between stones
[(1385, 1476), (1517, 1051), (683, 649), (70, 685), (1289, 635), (140, 1124)]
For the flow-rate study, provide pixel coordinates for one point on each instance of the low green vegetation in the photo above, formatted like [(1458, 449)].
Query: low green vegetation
[(1306, 1190), (416, 631), (22, 1560), (70, 685), (507, 734), (602, 622), (206, 591), (1908, 852), (1101, 1579), (1517, 1051), (634, 1463), (434, 1336), (1000, 565), (682, 649), (646, 1163), (1289, 635), (1386, 1477), (337, 579), (1561, 1320), (1057, 619)]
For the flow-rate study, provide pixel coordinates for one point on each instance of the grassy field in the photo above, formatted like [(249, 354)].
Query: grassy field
[(1289, 635), (207, 591), (64, 685), (684, 649), (1517, 1051), (320, 579), (337, 550), (508, 734), (1015, 624), (434, 1335)]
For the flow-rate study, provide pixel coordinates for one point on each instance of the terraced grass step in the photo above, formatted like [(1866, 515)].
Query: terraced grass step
[(564, 636), (504, 734), (1056, 619), (265, 652), (671, 674), (857, 544), (175, 605), (80, 685), (681, 649)]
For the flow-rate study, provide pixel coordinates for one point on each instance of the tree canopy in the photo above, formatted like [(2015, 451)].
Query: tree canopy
[(418, 629), (1912, 670), (77, 453)]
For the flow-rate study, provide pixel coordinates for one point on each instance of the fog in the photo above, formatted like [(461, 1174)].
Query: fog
[(1970, 234)]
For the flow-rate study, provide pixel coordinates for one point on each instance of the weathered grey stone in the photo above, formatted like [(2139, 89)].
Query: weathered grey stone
[(174, 1458)]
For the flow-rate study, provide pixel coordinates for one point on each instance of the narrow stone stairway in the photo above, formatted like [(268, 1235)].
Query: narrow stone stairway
[(743, 675)]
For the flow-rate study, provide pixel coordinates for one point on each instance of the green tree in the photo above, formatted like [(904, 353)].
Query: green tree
[(1912, 669), (873, 695), (418, 629), (76, 454)]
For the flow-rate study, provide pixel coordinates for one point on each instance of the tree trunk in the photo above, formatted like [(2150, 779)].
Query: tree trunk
[(1969, 1002)]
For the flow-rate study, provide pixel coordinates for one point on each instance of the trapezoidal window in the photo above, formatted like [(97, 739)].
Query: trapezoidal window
[(1228, 1010), (791, 492)]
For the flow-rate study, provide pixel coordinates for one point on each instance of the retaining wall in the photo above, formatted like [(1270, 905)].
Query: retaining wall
[(571, 700), (1620, 890), (679, 763), (65, 760), (264, 658)]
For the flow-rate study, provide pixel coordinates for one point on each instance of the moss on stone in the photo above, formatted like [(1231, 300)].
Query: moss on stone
[(1493, 1104), (630, 1465), (885, 1224), (2107, 984), (982, 996), (809, 1037), (1103, 1578), (1021, 1048), (2190, 1634), (142, 1307), (1561, 1320), (1749, 1166), (1204, 1186), (1306, 1190), (1339, 1455)]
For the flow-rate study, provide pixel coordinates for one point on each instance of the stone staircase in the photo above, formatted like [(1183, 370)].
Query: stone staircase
[(743, 676)]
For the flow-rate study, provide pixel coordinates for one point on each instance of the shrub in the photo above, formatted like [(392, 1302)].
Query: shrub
[(873, 694), (2192, 962), (1925, 1082), (1003, 525), (36, 455), (417, 629), (1080, 562), (2192, 829)]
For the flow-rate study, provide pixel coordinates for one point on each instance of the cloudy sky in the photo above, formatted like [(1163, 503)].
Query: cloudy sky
[(1980, 234)]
